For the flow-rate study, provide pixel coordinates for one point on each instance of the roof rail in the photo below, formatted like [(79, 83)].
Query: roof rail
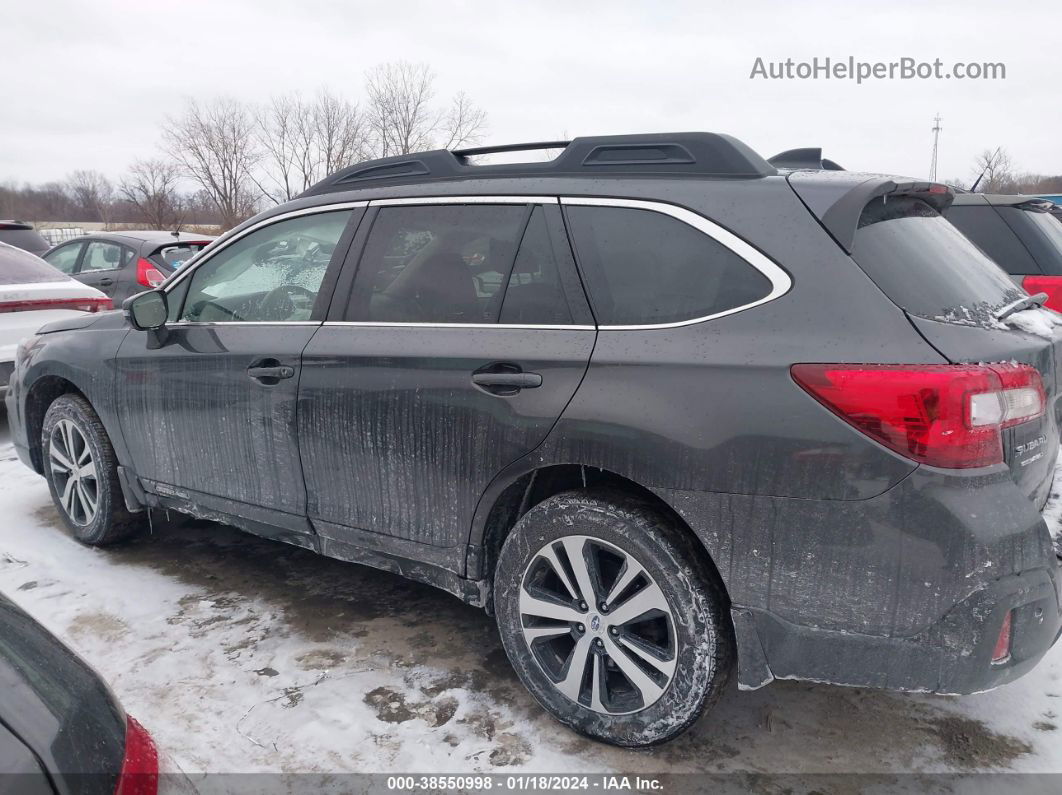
[(696, 154), (806, 158)]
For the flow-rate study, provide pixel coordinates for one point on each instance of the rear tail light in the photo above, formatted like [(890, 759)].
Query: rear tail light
[(147, 274), (90, 304), (1001, 653), (140, 767), (943, 415), (1052, 285)]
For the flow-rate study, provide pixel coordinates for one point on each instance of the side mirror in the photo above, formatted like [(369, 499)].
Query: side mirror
[(146, 311)]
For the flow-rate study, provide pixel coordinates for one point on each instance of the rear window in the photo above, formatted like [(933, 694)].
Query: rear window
[(173, 257), (26, 239), (926, 265), (20, 267), (984, 226)]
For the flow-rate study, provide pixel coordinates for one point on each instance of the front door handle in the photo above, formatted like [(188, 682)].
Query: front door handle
[(270, 374), (510, 380)]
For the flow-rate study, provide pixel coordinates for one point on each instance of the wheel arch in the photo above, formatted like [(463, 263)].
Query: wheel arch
[(44, 391), (507, 501)]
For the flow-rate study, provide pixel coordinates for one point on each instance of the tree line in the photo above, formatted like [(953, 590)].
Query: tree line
[(221, 161)]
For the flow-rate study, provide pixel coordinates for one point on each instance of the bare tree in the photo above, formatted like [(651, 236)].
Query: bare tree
[(304, 141), (402, 117), (151, 187), (93, 192), (215, 146), (341, 131), (993, 171), (463, 123)]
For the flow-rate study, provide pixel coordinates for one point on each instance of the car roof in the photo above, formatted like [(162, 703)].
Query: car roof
[(148, 236)]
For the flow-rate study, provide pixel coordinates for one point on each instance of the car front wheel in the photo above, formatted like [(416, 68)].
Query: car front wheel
[(612, 618), (81, 470)]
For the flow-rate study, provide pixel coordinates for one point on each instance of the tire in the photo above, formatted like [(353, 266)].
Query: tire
[(71, 422), (681, 610)]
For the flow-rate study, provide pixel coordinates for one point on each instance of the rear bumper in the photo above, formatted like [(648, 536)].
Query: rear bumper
[(953, 656)]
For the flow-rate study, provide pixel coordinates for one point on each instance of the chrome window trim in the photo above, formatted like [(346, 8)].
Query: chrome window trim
[(383, 324), (244, 323), (407, 200), (779, 279)]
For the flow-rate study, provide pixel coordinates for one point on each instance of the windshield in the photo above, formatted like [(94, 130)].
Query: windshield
[(926, 265)]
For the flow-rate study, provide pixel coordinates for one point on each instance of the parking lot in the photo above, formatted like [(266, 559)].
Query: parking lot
[(246, 655)]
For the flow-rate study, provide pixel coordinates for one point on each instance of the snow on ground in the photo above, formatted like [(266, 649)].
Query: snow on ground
[(246, 655)]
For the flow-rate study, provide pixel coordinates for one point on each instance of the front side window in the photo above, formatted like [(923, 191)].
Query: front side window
[(103, 256), (436, 264), (271, 275), (64, 258), (646, 268)]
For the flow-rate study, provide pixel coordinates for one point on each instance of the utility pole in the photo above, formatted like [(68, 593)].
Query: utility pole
[(936, 144)]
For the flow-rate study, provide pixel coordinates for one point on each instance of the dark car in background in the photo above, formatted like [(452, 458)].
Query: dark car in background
[(121, 264), (22, 235), (1021, 233), (61, 729), (661, 409)]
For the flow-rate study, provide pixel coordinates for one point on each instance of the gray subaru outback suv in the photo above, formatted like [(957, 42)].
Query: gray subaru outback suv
[(666, 413)]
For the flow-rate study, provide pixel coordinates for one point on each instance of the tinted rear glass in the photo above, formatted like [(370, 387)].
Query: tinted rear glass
[(644, 268), (984, 226), (173, 257), (20, 267), (26, 239), (926, 265)]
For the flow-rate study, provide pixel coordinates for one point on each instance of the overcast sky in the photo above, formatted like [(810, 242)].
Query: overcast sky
[(89, 85)]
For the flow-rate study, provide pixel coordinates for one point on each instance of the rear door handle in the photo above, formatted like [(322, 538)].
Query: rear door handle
[(270, 373), (106, 282), (511, 380)]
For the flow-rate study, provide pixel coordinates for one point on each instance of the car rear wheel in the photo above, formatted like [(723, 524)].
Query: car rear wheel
[(612, 618), (81, 470)]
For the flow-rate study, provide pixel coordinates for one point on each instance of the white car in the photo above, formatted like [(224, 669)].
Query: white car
[(33, 293)]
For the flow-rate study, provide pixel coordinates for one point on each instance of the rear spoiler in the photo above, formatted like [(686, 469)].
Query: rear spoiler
[(838, 199)]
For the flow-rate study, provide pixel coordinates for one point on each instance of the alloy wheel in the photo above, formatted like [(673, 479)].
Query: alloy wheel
[(74, 472), (598, 625)]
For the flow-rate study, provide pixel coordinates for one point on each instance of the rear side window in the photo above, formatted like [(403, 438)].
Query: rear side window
[(436, 264), (644, 268), (926, 265), (534, 295), (992, 235), (20, 267)]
